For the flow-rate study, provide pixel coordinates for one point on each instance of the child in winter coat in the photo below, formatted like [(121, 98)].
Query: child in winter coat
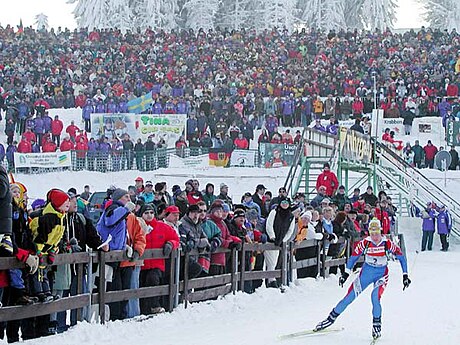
[(47, 231)]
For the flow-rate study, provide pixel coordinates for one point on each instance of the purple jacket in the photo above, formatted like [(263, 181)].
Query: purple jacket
[(100, 108), (39, 126), (157, 108), (10, 150), (104, 147), (112, 107), (428, 223), (332, 129), (123, 107), (87, 111), (177, 91), (443, 222), (2, 152), (288, 107), (47, 123)]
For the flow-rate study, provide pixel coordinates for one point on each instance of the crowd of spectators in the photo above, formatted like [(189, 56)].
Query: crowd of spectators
[(152, 216), (227, 82)]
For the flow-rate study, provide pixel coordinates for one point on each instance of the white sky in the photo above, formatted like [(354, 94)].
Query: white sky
[(60, 13)]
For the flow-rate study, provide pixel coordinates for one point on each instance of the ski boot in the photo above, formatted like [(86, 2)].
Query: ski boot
[(376, 327), (327, 322)]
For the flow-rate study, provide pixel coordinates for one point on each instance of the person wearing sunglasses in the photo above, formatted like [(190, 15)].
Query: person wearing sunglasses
[(161, 236)]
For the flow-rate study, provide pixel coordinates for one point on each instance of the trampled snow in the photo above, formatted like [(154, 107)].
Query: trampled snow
[(426, 313)]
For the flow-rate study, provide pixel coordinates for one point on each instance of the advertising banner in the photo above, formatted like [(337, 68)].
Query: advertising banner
[(168, 127), (43, 160), (277, 155), (453, 133), (355, 146)]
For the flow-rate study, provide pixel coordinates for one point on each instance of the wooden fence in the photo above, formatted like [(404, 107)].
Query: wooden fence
[(190, 290)]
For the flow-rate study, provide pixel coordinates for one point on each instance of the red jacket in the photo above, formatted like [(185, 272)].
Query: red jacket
[(359, 207), (194, 197), (80, 101), (56, 127), (49, 147), (72, 130), (81, 149), (241, 143), (24, 146), (30, 136), (156, 239), (384, 220), (227, 238), (430, 151), (66, 145), (452, 90), (328, 180)]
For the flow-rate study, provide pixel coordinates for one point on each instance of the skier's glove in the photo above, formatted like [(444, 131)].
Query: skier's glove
[(343, 278), (406, 281)]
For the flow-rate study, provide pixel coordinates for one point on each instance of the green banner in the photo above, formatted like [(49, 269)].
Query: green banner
[(453, 133), (277, 155)]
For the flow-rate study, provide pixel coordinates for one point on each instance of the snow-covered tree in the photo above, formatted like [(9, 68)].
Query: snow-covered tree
[(119, 15), (379, 14), (200, 14), (352, 10), (333, 17), (235, 14), (280, 13), (322, 14), (41, 21), (91, 13), (158, 14), (442, 14)]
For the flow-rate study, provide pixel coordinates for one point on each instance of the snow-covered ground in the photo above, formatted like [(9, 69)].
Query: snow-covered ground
[(426, 313)]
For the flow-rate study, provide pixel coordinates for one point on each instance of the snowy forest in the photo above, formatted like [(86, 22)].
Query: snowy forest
[(258, 14)]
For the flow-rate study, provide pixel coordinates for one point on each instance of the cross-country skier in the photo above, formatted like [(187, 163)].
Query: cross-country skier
[(375, 249)]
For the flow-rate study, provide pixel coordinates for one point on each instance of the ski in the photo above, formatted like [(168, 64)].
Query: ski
[(310, 333)]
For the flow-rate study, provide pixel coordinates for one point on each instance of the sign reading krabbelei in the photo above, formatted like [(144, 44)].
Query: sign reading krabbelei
[(355, 146), (43, 160)]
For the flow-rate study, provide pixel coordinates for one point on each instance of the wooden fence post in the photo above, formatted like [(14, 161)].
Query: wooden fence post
[(284, 264), (102, 287), (80, 272), (186, 263), (318, 258), (242, 266), (234, 258), (291, 262), (323, 259), (172, 280)]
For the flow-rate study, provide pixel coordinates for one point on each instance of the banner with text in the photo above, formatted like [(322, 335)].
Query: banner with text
[(243, 158), (355, 146), (43, 160), (140, 126), (277, 155), (453, 133)]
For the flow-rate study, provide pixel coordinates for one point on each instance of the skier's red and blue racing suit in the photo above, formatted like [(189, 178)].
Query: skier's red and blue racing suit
[(375, 270)]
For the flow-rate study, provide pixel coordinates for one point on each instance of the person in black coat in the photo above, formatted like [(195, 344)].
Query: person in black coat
[(454, 154), (369, 197), (258, 198), (357, 127)]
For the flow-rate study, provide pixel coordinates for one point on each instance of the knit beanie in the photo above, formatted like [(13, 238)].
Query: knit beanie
[(38, 203), (118, 194), (146, 207), (57, 197)]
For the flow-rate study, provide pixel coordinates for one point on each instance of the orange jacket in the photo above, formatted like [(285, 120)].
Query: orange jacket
[(136, 239)]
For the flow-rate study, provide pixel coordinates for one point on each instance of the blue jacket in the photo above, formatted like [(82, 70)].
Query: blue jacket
[(148, 197), (113, 222), (443, 222), (87, 111), (252, 204)]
